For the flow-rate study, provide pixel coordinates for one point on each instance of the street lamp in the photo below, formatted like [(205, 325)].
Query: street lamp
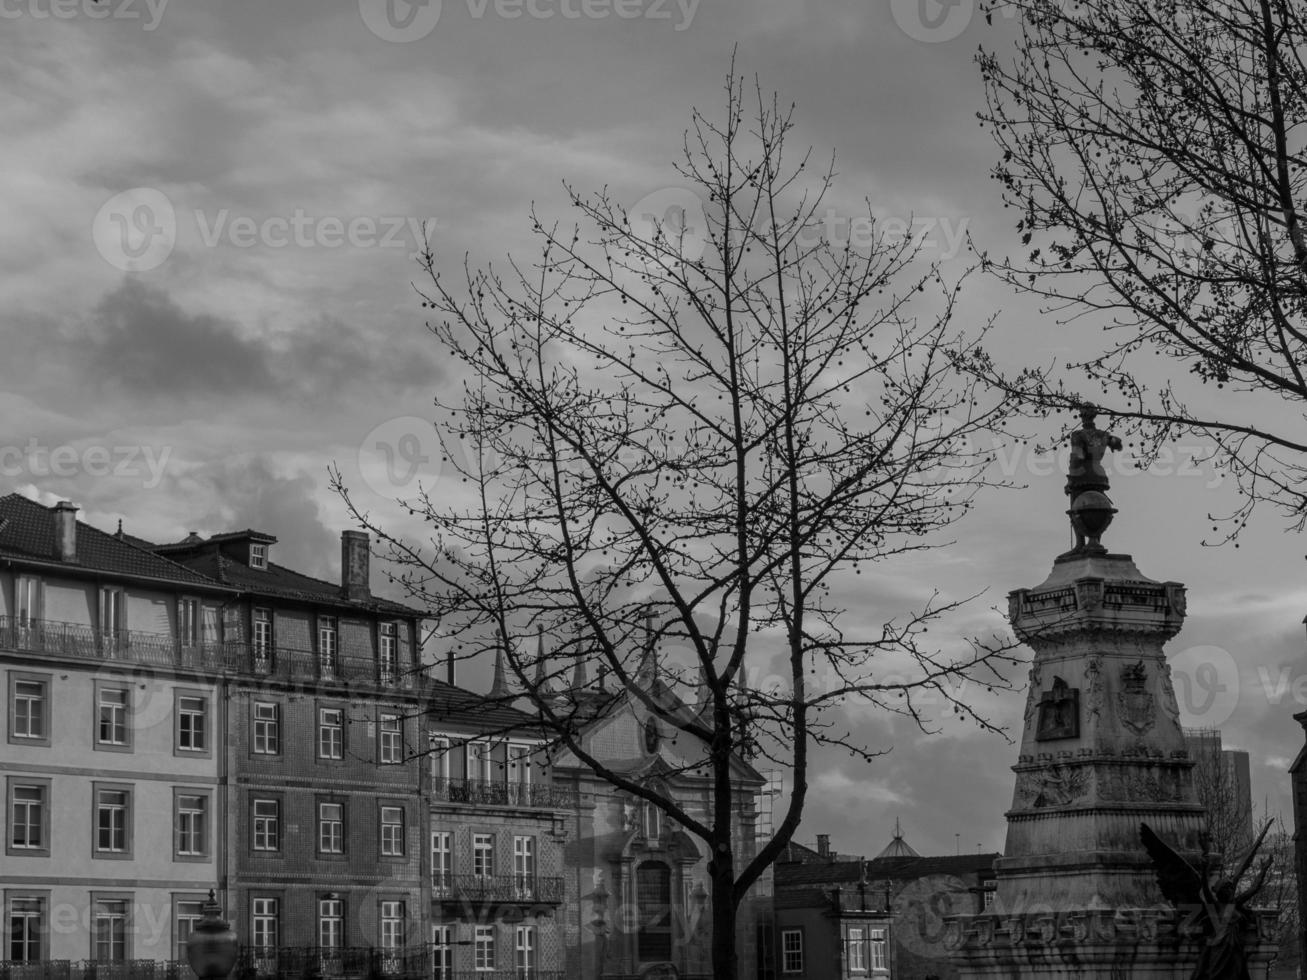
[(211, 947)]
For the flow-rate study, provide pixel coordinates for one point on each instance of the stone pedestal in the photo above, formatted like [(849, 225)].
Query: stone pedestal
[(1101, 751)]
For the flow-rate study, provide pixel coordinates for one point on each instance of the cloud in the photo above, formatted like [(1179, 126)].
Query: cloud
[(144, 342)]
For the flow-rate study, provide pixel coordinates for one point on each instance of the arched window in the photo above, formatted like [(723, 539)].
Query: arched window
[(653, 892)]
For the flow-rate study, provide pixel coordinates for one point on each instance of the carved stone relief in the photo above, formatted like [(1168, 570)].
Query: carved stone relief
[(1136, 705)]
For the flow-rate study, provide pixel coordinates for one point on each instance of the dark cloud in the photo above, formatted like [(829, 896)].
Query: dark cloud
[(146, 343)]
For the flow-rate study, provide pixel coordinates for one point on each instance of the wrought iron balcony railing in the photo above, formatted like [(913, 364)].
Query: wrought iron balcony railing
[(81, 642), (496, 889), (282, 963), (95, 970), (489, 793)]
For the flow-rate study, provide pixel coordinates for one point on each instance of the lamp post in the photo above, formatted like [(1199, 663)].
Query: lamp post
[(211, 947)]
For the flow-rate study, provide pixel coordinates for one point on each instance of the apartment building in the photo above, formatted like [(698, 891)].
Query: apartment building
[(497, 833), (325, 813), (115, 793)]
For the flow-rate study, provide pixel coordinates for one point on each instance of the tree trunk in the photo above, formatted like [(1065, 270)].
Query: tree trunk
[(725, 963)]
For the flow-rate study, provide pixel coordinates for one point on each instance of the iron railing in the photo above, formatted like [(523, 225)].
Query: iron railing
[(484, 792), (481, 889), (282, 963), (81, 642), (95, 970)]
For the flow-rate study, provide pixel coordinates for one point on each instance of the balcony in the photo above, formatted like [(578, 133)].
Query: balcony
[(484, 792), (95, 970), (489, 890), (75, 641)]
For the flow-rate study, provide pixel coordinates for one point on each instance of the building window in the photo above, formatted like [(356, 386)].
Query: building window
[(27, 595), (392, 925), (478, 761), (109, 944), (29, 709), (483, 855), (442, 861), (112, 822), (331, 828), (855, 951), (652, 820), (388, 652), (483, 947), (519, 773), (188, 622), (392, 831), (265, 923), (267, 825), (331, 733), (262, 633), (113, 620), (331, 923), (258, 556), (878, 950), (791, 950), (192, 723), (653, 895), (267, 728), (524, 951), (328, 644), (438, 747), (192, 821), (29, 815), (987, 898), (188, 913), (390, 741), (26, 929), (442, 953), (524, 866), (112, 729)]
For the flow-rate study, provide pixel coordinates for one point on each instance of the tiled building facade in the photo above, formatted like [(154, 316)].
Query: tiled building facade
[(194, 716)]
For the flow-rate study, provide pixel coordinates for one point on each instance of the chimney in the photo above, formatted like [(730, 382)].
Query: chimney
[(65, 531), (354, 564), (823, 845)]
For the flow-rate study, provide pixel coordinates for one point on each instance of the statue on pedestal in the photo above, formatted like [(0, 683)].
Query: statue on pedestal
[(1086, 483)]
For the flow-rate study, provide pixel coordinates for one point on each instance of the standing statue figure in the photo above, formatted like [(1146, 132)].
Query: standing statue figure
[(1086, 484), (1088, 446), (1225, 910)]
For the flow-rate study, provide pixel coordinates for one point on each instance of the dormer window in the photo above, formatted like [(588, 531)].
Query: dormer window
[(258, 555)]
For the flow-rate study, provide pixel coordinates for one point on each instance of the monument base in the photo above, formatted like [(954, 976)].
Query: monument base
[(1092, 944)]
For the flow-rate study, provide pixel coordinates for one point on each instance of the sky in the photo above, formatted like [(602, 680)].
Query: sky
[(212, 217)]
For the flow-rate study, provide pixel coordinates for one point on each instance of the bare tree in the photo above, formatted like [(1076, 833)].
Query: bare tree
[(696, 431), (1154, 154)]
